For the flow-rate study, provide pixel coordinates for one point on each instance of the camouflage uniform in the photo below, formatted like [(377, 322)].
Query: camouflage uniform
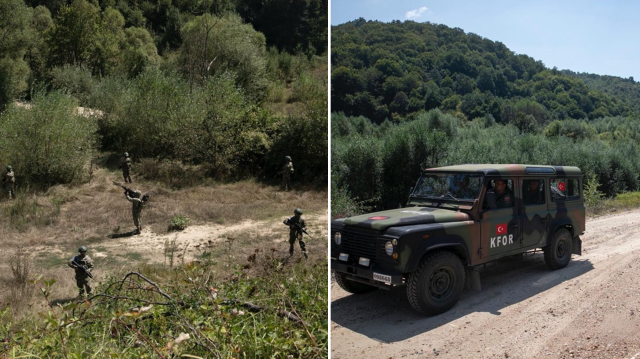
[(287, 170), (8, 182), (296, 225), (126, 168), (136, 210), (504, 199), (82, 279)]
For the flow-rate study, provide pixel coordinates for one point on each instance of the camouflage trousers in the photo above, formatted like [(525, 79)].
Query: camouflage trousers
[(286, 181), (82, 282), (292, 241), (127, 176), (137, 221)]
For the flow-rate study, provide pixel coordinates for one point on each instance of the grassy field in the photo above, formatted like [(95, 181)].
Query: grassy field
[(226, 281)]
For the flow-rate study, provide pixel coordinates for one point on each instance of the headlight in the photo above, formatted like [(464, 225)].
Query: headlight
[(388, 248), (337, 238)]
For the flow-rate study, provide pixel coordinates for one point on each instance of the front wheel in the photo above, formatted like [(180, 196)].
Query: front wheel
[(351, 286), (437, 284), (557, 254)]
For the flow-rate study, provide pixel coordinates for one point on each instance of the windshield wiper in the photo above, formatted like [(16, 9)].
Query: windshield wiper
[(450, 195)]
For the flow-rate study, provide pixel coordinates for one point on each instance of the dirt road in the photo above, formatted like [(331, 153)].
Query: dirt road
[(590, 309)]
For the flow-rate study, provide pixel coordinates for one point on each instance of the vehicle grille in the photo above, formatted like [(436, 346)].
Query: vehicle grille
[(359, 242)]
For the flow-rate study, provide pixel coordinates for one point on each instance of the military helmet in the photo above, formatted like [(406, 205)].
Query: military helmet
[(8, 168), (126, 154), (297, 211), (82, 249), (287, 158), (138, 193)]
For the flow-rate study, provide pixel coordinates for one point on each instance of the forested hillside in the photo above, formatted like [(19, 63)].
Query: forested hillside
[(626, 90), (222, 84), (408, 95)]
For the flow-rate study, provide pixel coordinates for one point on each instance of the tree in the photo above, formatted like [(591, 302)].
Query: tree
[(15, 38), (214, 45), (73, 37)]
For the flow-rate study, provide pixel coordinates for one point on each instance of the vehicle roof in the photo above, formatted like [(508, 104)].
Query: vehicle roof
[(510, 169)]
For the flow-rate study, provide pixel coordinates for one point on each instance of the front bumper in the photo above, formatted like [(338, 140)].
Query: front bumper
[(365, 275)]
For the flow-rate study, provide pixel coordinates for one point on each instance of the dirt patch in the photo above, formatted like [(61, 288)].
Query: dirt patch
[(591, 309), (194, 240)]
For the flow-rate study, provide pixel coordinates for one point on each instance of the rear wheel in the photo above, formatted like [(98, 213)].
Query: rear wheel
[(437, 284), (351, 286), (557, 254)]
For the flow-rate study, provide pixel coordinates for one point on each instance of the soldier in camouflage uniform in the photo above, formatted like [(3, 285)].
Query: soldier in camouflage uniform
[(136, 208), (287, 170), (296, 226), (504, 197), (126, 168), (82, 279), (8, 182)]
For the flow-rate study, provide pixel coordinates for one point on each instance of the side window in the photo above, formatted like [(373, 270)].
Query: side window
[(565, 189), (502, 190), (533, 191)]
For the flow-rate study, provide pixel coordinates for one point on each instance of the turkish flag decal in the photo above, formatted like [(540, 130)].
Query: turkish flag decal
[(561, 186), (378, 218), (501, 229)]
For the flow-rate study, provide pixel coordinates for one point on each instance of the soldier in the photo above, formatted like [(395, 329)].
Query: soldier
[(136, 209), (296, 227), (504, 197), (126, 168), (287, 170), (82, 278), (532, 194), (9, 181)]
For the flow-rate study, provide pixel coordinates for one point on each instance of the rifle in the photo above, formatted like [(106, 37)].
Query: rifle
[(84, 269), (129, 191), (297, 226)]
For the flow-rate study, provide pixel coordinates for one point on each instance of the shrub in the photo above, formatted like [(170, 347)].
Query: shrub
[(49, 142), (179, 223)]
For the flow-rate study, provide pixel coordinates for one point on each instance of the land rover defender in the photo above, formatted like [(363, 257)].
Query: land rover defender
[(458, 218)]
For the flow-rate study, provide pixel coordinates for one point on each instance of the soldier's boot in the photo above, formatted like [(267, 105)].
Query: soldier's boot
[(306, 256), (10, 195)]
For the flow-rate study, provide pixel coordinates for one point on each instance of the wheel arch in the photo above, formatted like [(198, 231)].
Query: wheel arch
[(453, 244)]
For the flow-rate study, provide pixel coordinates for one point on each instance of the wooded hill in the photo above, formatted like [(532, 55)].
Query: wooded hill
[(407, 96), (395, 70)]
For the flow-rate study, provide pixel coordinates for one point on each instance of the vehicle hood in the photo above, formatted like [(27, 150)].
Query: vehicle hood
[(405, 216)]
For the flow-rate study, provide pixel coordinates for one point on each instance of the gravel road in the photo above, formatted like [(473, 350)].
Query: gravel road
[(590, 309)]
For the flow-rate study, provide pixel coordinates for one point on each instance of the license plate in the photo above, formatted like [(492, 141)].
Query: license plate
[(382, 277)]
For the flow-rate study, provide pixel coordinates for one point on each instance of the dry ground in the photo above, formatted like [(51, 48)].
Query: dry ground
[(228, 222), (591, 309)]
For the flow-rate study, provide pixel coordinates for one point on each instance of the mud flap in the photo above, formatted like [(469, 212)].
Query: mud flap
[(577, 246), (472, 278)]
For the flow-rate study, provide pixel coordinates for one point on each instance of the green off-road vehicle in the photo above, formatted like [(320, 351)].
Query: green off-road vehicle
[(458, 218)]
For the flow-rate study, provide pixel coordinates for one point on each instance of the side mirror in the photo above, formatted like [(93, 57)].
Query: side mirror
[(490, 199)]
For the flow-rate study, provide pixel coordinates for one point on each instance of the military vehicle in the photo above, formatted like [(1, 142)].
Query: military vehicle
[(457, 219)]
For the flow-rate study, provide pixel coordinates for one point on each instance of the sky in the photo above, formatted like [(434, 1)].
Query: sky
[(598, 37)]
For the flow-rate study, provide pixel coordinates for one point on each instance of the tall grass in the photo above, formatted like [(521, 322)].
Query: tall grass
[(280, 311)]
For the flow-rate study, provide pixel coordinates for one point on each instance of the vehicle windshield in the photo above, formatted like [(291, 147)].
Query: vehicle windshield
[(452, 186)]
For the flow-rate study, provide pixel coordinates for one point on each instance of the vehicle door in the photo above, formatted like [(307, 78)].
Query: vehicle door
[(535, 215), (500, 225)]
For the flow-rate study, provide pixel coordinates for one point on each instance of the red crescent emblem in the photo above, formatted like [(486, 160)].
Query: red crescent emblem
[(561, 186)]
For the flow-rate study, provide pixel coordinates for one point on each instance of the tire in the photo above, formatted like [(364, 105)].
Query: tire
[(351, 286), (437, 284), (557, 254)]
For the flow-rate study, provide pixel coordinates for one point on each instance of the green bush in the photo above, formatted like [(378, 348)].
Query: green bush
[(179, 223), (49, 142)]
